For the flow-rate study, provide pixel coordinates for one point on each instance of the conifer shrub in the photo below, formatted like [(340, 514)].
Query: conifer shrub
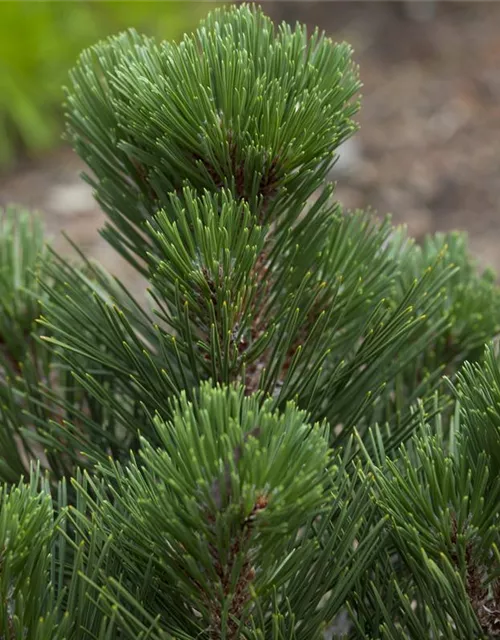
[(298, 433)]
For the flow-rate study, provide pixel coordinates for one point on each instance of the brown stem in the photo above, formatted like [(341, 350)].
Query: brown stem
[(259, 324), (241, 593), (485, 606)]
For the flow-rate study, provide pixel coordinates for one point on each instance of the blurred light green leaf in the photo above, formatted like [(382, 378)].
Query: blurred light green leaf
[(39, 43)]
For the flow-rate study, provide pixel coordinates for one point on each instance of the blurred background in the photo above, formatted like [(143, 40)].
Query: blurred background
[(429, 146)]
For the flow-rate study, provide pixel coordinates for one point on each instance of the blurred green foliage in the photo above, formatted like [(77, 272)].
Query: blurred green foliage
[(40, 41)]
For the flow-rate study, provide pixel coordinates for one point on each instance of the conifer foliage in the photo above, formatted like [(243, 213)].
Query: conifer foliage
[(297, 433)]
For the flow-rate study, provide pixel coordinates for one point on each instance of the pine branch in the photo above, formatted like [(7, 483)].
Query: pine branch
[(202, 476)]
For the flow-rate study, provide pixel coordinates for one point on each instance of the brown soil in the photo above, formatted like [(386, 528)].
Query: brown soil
[(430, 121)]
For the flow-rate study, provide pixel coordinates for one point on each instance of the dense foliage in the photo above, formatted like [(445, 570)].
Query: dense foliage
[(299, 432)]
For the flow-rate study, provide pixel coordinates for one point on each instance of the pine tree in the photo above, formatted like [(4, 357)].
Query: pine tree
[(298, 433)]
